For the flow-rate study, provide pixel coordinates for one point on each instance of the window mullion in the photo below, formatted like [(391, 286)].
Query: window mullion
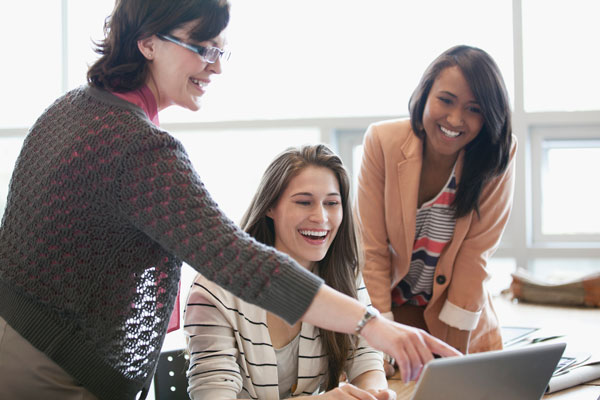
[(64, 46)]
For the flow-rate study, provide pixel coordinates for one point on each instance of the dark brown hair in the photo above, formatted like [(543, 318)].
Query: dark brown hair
[(121, 66), (339, 267), (488, 154)]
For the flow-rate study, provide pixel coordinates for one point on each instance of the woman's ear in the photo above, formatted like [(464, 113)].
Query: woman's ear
[(146, 47), (269, 213)]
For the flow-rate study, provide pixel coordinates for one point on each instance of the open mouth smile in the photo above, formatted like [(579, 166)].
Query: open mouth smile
[(450, 134), (198, 83), (314, 236)]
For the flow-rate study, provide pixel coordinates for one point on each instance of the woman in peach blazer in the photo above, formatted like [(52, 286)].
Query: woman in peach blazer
[(460, 124)]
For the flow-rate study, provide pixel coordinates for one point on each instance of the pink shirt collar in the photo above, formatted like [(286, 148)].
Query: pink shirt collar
[(144, 99)]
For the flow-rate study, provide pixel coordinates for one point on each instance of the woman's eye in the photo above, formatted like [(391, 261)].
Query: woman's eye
[(303, 203), (445, 100), (475, 110), (332, 203)]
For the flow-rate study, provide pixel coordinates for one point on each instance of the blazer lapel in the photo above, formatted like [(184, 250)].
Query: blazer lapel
[(409, 173)]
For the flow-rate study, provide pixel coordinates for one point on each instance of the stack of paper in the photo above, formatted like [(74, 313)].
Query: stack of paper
[(577, 375)]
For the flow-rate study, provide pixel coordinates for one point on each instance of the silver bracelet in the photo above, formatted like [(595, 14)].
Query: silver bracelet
[(370, 313), (389, 359)]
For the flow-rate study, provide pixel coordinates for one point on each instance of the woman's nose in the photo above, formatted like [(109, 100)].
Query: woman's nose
[(319, 214), (215, 67), (455, 117)]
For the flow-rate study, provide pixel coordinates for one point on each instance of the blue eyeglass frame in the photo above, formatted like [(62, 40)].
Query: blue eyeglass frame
[(208, 54)]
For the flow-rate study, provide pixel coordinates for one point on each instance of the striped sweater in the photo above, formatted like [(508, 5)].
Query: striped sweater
[(232, 355), (434, 229)]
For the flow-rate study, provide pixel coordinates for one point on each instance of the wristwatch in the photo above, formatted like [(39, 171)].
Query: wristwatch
[(370, 313)]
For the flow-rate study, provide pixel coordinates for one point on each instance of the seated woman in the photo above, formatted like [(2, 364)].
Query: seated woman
[(239, 350)]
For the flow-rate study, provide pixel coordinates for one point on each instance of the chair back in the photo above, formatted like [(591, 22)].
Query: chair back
[(170, 381)]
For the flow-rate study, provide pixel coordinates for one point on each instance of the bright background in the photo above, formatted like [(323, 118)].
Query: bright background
[(320, 71)]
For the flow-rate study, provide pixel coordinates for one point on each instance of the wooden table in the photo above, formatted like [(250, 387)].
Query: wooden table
[(403, 391), (589, 391), (581, 327)]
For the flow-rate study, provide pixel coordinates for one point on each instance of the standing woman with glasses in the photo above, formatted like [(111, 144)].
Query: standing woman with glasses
[(104, 206)]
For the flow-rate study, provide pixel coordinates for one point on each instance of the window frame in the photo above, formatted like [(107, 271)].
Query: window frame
[(540, 135)]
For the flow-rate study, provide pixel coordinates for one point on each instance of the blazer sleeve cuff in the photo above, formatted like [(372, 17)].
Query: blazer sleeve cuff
[(460, 318), (388, 315)]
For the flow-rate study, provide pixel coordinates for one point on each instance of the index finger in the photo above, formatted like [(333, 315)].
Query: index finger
[(437, 346)]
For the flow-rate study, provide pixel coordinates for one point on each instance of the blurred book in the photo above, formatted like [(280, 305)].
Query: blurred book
[(583, 291)]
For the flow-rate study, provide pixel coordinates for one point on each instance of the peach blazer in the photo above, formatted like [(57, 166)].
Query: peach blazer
[(388, 185)]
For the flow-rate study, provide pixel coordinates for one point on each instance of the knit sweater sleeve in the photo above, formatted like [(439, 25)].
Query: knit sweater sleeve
[(159, 192)]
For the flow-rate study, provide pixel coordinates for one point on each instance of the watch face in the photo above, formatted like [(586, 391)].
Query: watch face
[(370, 313)]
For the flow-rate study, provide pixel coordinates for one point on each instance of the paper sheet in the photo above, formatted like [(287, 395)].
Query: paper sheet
[(574, 377)]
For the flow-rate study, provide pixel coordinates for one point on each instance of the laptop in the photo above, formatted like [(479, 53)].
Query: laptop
[(516, 374)]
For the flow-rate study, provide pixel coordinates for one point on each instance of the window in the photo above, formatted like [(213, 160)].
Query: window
[(232, 173), (31, 67), (342, 58), (9, 151), (567, 169), (348, 144), (561, 65), (354, 61), (556, 115), (84, 25), (567, 188)]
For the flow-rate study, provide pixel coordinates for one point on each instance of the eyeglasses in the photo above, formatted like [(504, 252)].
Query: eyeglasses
[(208, 54)]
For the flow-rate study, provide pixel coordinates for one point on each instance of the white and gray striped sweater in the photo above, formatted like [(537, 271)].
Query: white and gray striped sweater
[(232, 355)]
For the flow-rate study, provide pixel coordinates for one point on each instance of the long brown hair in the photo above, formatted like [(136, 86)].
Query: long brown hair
[(488, 154), (339, 267), (121, 66)]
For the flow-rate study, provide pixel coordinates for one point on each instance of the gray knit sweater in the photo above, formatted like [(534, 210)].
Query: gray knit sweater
[(103, 208)]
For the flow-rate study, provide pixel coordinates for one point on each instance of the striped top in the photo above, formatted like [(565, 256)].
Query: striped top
[(434, 229), (232, 355)]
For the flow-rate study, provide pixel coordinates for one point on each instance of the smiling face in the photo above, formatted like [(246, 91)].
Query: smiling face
[(307, 215), (452, 117), (178, 76)]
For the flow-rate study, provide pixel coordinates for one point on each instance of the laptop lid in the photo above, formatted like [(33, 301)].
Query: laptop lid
[(516, 374)]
